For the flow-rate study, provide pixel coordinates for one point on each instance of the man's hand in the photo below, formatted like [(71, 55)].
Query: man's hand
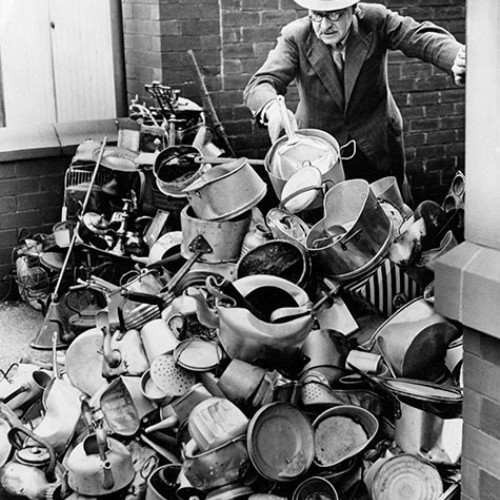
[(274, 120), (458, 67)]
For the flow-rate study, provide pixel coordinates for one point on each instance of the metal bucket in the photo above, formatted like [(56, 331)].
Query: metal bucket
[(226, 191), (355, 234), (328, 160), (225, 237), (429, 421)]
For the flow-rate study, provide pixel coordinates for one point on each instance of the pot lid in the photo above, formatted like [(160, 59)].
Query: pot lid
[(301, 189), (424, 391), (33, 455), (117, 158), (197, 354), (280, 442)]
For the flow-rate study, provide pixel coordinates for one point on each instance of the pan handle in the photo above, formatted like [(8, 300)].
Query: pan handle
[(355, 234), (352, 143), (290, 132)]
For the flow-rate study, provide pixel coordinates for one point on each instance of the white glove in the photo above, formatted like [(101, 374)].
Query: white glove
[(274, 120), (458, 67)]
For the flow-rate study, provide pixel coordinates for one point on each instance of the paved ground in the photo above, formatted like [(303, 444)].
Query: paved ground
[(19, 325)]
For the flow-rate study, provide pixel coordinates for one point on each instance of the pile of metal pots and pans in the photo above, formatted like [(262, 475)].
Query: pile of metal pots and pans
[(246, 373)]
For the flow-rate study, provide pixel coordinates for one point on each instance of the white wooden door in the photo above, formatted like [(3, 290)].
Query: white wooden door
[(56, 61)]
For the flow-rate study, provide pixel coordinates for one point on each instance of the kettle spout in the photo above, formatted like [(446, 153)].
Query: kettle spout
[(206, 316), (108, 481)]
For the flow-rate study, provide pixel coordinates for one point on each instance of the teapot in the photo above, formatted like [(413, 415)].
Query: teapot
[(32, 472)]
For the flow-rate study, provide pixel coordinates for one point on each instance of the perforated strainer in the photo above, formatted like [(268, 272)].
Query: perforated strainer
[(169, 377)]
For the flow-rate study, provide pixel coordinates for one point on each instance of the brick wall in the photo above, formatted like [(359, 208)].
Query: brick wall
[(231, 38), (481, 440), (31, 193)]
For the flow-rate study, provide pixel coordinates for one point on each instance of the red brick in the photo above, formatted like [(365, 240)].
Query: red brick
[(8, 204), (199, 26), (259, 34), (180, 43), (15, 186), (239, 19), (416, 98), (7, 170), (210, 42), (8, 239), (20, 220), (36, 200), (454, 122), (231, 35), (440, 137), (453, 95), (233, 66), (170, 27), (424, 124)]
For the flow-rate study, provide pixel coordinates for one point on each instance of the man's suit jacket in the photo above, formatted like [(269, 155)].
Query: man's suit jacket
[(368, 112)]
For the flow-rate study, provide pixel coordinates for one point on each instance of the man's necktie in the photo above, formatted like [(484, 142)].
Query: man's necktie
[(338, 59)]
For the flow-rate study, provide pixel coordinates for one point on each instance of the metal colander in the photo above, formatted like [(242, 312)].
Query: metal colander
[(314, 393), (169, 377)]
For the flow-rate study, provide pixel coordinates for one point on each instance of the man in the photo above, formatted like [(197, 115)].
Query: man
[(338, 57)]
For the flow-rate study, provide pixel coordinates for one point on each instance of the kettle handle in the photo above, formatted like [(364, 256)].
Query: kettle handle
[(17, 443)]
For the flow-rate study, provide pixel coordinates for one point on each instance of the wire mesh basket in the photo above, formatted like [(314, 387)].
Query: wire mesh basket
[(76, 184)]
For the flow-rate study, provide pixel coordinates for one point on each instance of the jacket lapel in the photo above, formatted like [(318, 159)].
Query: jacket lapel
[(321, 60), (357, 46)]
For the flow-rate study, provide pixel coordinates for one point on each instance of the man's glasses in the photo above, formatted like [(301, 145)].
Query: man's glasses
[(332, 15)]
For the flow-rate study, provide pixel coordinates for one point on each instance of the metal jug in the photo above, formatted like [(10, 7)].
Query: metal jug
[(249, 338)]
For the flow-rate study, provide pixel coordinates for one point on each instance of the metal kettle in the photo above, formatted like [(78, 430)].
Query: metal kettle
[(32, 472), (99, 465)]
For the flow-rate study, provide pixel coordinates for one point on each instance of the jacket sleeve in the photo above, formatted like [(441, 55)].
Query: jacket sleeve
[(423, 40), (274, 76)]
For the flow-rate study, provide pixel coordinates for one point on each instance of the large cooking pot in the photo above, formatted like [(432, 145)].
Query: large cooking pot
[(354, 235), (429, 422), (226, 191), (225, 237)]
